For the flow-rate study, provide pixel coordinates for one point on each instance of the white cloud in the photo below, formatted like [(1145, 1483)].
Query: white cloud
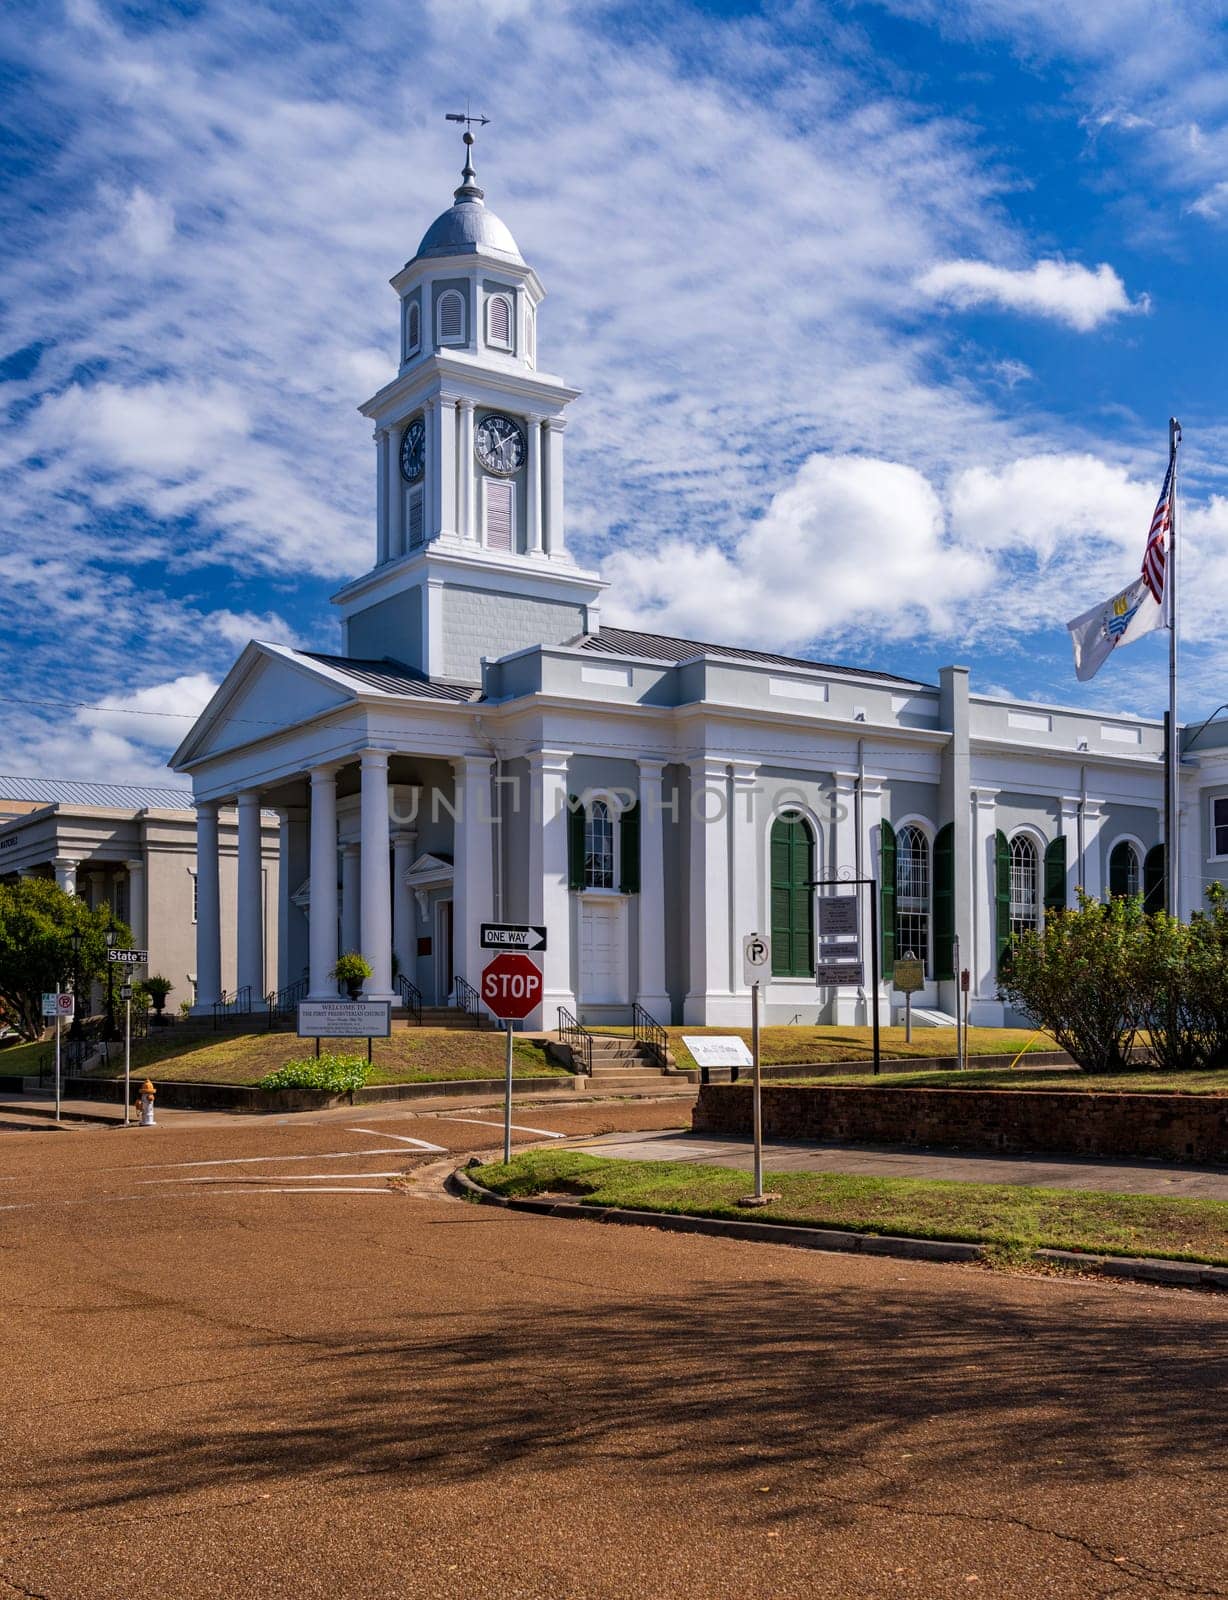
[(1063, 290), (238, 627), (155, 715), (148, 223)]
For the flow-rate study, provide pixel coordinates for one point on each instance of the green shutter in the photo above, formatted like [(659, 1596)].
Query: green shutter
[(629, 849), (887, 895), (782, 922), (1002, 861), (1119, 870), (792, 898), (944, 901), (801, 915), (1055, 875), (575, 843), (1153, 879)]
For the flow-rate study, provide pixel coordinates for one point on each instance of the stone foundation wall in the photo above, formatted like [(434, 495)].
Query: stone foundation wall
[(1169, 1127)]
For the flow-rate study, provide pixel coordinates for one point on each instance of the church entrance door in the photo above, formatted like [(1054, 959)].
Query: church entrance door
[(603, 951), (444, 969)]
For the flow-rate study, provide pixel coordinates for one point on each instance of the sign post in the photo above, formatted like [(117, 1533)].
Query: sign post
[(511, 987), (965, 985), (829, 971), (908, 977), (64, 1007), (125, 994), (756, 960)]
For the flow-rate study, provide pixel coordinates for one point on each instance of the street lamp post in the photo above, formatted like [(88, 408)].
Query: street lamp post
[(110, 936), (76, 1031)]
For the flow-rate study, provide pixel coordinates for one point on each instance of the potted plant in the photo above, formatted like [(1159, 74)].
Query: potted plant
[(353, 971), (157, 988)]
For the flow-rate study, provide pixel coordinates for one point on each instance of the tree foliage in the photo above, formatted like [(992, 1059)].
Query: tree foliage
[(37, 921)]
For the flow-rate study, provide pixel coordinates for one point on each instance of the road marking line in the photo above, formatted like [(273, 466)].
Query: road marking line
[(298, 1177), (337, 1190), (546, 1133), (421, 1144), (247, 1161)]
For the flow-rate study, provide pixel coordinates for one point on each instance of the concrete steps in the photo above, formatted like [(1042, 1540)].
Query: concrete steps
[(440, 1017)]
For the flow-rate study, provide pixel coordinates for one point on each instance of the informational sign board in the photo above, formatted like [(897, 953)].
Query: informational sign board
[(718, 1050), (756, 958), (909, 975), (50, 1006), (511, 987), (832, 974), (837, 916), (131, 958), (511, 936), (344, 1019)]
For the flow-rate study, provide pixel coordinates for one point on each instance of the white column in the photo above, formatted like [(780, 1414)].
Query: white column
[(871, 855), (745, 867), (137, 919), (376, 875), (708, 995), (208, 908), (250, 931), (846, 1000), (472, 863), (1069, 808), (1092, 882), (982, 960), (383, 495), (447, 467), (652, 993), (533, 487), (66, 873), (322, 912), (404, 842), (431, 483), (549, 895), (556, 543), (351, 867), (1190, 852), (467, 486)]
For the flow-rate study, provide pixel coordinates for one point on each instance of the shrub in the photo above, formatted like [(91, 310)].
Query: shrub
[(336, 1073), (157, 988), (351, 968)]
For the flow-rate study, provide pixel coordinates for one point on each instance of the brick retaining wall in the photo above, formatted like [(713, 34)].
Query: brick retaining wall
[(1171, 1127)]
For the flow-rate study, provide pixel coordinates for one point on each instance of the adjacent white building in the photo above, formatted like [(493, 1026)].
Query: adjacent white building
[(481, 748)]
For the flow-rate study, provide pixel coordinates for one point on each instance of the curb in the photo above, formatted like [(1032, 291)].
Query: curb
[(1143, 1269)]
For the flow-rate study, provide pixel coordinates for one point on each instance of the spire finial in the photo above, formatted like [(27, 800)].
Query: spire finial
[(469, 189)]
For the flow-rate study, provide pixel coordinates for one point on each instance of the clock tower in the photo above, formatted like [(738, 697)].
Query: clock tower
[(471, 552)]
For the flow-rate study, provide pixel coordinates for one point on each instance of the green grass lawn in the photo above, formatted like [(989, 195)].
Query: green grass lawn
[(781, 1046), (1016, 1221), (22, 1060), (411, 1055), (1145, 1080)]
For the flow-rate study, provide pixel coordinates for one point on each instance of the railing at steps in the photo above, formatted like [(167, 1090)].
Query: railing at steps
[(283, 1002), (230, 1007), (469, 1001), (579, 1040), (411, 997), (648, 1031)]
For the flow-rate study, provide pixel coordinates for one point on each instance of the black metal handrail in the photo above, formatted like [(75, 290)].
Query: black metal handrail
[(579, 1040), (411, 997), (239, 1004), (648, 1031), (283, 1001), (469, 1001)]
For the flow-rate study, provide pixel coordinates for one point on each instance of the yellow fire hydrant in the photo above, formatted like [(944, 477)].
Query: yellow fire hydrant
[(145, 1104)]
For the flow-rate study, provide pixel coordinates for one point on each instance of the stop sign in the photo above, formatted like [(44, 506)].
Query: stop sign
[(511, 987)]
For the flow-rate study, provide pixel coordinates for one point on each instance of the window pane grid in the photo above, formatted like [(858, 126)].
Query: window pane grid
[(1024, 897), (1221, 827), (912, 895), (599, 847)]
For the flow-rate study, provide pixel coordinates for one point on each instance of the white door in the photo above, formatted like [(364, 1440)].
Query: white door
[(603, 952)]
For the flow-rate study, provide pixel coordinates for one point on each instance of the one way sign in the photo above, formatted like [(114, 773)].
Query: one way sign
[(512, 936)]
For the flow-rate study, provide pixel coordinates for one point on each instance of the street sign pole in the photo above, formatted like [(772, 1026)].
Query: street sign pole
[(507, 1100), (57, 1066), (757, 1091), (128, 1051)]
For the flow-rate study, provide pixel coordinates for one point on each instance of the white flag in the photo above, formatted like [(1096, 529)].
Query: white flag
[(1121, 620)]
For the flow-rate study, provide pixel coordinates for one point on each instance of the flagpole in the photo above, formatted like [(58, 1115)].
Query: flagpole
[(1172, 751)]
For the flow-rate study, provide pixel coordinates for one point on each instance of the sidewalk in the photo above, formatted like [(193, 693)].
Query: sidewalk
[(897, 1161)]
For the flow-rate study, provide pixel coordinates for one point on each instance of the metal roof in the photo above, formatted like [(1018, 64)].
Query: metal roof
[(664, 647), (394, 677), (72, 792)]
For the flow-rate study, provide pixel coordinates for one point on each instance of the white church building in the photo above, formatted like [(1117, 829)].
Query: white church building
[(480, 748)]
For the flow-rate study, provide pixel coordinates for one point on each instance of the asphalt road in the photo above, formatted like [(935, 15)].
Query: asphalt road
[(244, 1362)]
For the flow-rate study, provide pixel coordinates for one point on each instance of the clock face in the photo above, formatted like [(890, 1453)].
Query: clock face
[(500, 444), (413, 451)]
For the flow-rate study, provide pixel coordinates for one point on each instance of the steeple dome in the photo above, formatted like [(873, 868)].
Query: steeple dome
[(467, 227)]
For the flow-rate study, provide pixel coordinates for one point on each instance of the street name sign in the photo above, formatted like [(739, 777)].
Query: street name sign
[(909, 975), (718, 1050), (511, 987), (344, 1019), (829, 974), (131, 958), (511, 936), (837, 915), (756, 958)]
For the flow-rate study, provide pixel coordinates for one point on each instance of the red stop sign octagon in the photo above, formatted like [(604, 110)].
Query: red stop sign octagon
[(511, 987)]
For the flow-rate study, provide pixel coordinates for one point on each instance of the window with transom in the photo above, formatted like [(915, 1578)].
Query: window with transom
[(912, 895), (1025, 897), (1125, 870), (599, 846)]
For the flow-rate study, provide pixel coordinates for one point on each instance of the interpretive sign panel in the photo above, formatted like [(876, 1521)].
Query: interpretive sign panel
[(837, 915), (718, 1050), (909, 975), (833, 974), (344, 1019)]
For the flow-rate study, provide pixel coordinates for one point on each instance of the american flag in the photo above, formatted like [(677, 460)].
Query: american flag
[(1155, 557)]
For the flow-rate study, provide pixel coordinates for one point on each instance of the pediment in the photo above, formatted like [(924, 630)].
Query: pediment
[(270, 687), (429, 869)]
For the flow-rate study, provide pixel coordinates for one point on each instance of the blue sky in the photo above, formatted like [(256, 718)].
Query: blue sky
[(879, 311)]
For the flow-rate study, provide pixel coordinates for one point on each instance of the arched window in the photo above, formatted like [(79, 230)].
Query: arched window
[(792, 868), (912, 894), (451, 317), (413, 329), (499, 321), (599, 847), (1025, 897), (1125, 872)]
